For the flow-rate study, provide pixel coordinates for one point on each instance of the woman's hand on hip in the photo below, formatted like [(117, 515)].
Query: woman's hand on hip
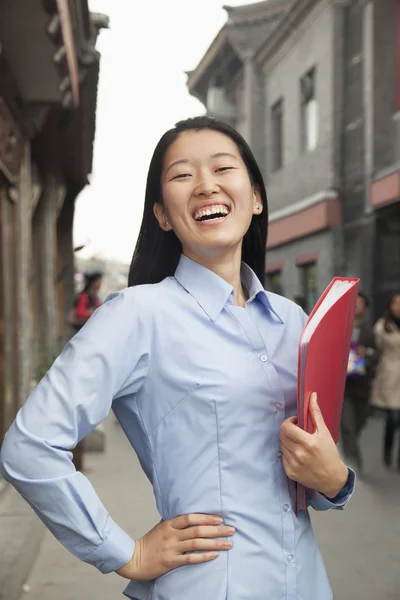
[(312, 459), (185, 540)]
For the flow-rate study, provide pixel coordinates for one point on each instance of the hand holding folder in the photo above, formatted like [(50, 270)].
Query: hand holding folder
[(323, 359)]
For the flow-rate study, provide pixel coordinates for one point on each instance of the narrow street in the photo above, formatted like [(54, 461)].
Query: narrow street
[(360, 545)]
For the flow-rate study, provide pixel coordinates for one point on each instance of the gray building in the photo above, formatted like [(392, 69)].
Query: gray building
[(311, 84)]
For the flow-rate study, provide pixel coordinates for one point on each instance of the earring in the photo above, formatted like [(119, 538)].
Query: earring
[(257, 207), (166, 223)]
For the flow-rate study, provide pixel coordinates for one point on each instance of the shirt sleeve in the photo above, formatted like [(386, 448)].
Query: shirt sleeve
[(106, 360), (319, 501)]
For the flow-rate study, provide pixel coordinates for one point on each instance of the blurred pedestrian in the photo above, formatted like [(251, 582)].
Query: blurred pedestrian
[(199, 364), (87, 301), (386, 388), (358, 382)]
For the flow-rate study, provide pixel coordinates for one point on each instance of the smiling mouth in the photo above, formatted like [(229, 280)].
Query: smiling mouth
[(211, 213)]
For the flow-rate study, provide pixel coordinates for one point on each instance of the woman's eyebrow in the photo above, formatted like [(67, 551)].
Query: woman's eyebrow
[(224, 154), (177, 162)]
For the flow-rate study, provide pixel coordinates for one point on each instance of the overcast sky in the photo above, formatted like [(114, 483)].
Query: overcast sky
[(142, 93)]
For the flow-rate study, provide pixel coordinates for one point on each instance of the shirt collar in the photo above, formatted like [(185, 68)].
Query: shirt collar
[(256, 290), (212, 292)]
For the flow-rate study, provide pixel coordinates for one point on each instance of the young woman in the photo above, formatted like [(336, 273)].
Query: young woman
[(386, 388), (199, 365)]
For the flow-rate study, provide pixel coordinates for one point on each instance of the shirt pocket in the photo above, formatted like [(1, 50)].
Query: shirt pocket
[(185, 450)]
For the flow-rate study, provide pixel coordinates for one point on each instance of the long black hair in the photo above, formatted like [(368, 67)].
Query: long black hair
[(157, 252), (90, 279)]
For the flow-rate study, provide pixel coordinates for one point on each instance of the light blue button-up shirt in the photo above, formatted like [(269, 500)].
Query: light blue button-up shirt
[(200, 387)]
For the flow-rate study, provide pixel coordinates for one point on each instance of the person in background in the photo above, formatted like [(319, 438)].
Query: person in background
[(357, 391), (386, 388), (88, 300)]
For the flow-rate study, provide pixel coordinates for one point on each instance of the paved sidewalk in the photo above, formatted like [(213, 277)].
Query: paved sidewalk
[(361, 545)]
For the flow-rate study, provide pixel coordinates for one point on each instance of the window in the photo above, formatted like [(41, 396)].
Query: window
[(309, 112), (277, 135), (309, 284), (273, 283)]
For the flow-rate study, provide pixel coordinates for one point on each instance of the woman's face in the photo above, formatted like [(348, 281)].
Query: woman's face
[(97, 284), (395, 307), (209, 200)]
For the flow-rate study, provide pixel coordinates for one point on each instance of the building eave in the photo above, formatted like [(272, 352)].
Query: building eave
[(212, 52), (295, 15), (249, 12)]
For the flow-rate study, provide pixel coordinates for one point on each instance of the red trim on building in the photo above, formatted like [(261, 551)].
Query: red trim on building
[(386, 190), (275, 267), (68, 39), (307, 259), (324, 215)]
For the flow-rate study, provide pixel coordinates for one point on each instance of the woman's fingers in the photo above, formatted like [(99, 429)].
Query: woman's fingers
[(188, 539), (202, 531), (288, 444), (194, 559), (191, 520), (203, 545)]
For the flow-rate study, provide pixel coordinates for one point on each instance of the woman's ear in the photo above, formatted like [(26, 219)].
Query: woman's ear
[(258, 205), (161, 216)]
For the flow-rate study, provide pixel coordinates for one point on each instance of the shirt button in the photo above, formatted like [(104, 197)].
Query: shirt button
[(263, 358), (279, 453), (279, 405), (290, 558), (286, 507)]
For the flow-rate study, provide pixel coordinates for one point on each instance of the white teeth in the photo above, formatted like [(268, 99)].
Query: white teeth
[(203, 212)]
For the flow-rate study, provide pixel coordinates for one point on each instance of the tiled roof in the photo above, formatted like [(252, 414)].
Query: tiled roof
[(250, 35), (247, 29), (254, 11)]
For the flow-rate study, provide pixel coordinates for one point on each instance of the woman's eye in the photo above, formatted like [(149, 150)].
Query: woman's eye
[(224, 169), (181, 176)]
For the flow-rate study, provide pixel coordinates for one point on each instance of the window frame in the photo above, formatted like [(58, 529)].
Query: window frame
[(309, 114)]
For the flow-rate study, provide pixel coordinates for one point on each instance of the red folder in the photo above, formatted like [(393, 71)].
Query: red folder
[(323, 356)]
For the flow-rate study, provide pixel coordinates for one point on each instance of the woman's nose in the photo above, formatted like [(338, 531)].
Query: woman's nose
[(207, 186)]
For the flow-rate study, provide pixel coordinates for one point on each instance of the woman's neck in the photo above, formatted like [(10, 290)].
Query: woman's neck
[(228, 268)]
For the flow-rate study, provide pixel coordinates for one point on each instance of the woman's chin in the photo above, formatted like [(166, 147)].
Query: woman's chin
[(218, 246)]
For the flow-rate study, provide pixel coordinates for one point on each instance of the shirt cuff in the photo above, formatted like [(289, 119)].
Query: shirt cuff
[(321, 502), (115, 552)]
